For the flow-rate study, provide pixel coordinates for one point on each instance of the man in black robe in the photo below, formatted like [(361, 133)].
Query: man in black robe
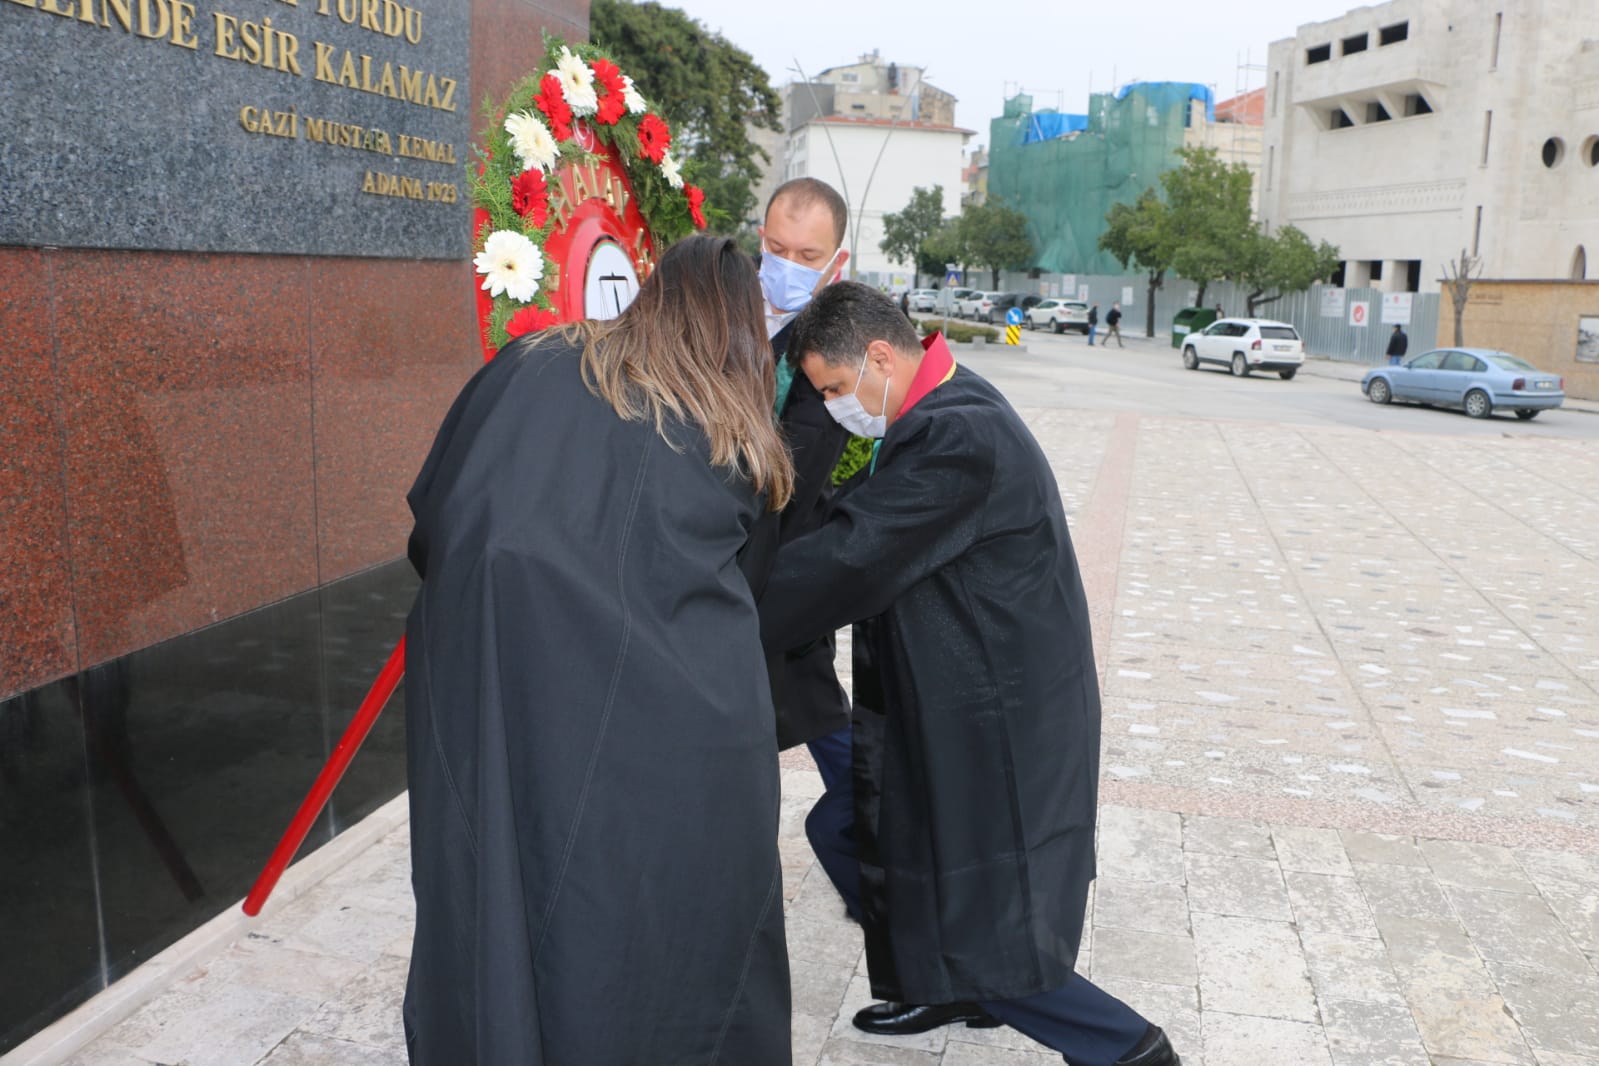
[(801, 252), (976, 731), (593, 774)]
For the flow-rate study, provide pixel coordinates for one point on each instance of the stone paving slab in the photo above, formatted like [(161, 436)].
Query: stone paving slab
[(1247, 940), (1351, 793)]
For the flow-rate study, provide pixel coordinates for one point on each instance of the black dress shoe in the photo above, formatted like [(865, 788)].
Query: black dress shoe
[(904, 1019), (1153, 1050)]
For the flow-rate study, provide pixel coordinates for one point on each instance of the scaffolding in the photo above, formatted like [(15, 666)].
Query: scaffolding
[(1063, 173)]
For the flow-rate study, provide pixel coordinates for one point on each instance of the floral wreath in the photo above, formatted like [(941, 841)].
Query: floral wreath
[(579, 107)]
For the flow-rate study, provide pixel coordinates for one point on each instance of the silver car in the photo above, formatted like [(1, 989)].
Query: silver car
[(1476, 380)]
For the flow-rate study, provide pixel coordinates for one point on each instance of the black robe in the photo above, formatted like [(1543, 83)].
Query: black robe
[(592, 761), (806, 694), (976, 701)]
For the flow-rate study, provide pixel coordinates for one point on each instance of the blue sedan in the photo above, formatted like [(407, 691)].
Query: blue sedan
[(1476, 380)]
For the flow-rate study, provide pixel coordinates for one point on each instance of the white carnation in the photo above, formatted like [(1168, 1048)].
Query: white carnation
[(512, 264)]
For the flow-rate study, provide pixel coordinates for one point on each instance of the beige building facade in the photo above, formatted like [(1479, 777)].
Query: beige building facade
[(1408, 132), (1236, 134), (1553, 324)]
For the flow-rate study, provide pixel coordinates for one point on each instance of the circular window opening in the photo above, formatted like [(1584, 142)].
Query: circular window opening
[(1554, 150), (1590, 151)]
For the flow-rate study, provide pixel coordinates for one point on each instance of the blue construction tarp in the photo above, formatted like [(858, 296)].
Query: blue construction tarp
[(1047, 125), (1159, 90)]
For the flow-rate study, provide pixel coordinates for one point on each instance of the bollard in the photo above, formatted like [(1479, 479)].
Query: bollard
[(1013, 326)]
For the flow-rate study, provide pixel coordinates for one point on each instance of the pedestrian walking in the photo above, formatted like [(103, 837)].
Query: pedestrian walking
[(592, 762), (1113, 326), (977, 710), (1398, 345), (1093, 323)]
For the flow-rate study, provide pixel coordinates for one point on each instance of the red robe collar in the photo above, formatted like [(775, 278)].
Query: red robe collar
[(938, 365)]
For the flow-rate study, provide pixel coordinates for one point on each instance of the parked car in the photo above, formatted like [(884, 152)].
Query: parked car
[(1245, 345), (975, 305), (1058, 315), (924, 299), (1003, 302), (950, 299), (1476, 380)]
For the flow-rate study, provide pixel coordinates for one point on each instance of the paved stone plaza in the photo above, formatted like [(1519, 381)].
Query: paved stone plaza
[(1351, 775)]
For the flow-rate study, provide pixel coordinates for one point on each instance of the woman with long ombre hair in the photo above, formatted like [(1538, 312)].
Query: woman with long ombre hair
[(593, 772)]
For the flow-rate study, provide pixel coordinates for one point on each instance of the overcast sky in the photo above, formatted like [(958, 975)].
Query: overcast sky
[(983, 52)]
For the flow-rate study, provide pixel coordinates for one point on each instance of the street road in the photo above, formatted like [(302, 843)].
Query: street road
[(1147, 377)]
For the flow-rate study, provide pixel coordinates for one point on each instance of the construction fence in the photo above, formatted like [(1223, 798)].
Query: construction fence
[(1348, 325)]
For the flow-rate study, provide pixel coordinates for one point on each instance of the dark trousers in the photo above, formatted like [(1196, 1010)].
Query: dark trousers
[(1113, 330), (830, 826), (1082, 1021)]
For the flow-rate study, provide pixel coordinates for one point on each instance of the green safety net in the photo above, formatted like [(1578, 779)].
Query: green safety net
[(1065, 186)]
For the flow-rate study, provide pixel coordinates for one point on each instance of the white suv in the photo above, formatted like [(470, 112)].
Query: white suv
[(1058, 315), (976, 305), (949, 300), (1245, 345)]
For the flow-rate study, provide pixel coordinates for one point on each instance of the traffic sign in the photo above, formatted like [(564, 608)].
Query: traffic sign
[(952, 278), (1013, 317)]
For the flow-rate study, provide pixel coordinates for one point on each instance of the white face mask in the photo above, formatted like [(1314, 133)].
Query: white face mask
[(848, 412)]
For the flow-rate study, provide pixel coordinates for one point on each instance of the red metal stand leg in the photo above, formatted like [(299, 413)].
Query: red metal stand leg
[(328, 779)]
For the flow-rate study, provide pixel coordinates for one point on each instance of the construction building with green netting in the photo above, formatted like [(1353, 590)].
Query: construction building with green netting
[(1063, 172)]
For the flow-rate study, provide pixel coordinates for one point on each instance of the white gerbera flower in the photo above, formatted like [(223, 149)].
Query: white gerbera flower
[(532, 141), (670, 171), (512, 264), (632, 98), (577, 83)]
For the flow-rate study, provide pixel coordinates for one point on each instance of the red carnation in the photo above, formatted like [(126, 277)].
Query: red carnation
[(654, 138), (609, 86), (552, 101), (531, 320), (696, 198), (530, 196)]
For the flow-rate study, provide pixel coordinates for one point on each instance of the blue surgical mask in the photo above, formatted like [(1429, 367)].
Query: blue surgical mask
[(788, 285)]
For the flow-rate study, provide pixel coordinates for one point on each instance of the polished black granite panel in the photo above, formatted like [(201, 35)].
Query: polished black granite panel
[(200, 749), (361, 623), (49, 928), (141, 797)]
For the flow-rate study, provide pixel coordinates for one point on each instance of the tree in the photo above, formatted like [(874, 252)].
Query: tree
[(1458, 276), (943, 246), (1210, 223), (995, 236), (1282, 264), (904, 232), (1140, 234), (707, 89)]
